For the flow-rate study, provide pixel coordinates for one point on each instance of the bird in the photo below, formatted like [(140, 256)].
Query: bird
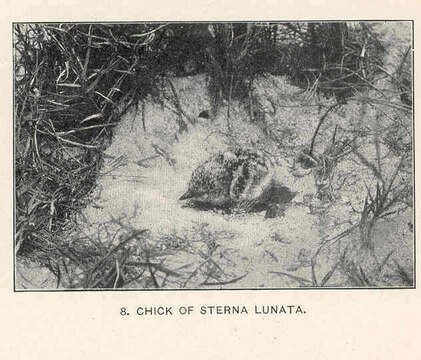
[(239, 179)]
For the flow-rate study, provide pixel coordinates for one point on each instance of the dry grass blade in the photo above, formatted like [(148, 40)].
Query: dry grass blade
[(371, 166), (385, 261), (327, 277), (301, 280), (149, 32), (232, 281), (157, 266), (403, 274), (91, 117), (101, 261)]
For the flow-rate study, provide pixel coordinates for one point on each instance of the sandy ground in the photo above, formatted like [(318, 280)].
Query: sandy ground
[(253, 246)]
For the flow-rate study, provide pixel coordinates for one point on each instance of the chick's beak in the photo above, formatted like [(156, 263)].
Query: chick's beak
[(187, 195)]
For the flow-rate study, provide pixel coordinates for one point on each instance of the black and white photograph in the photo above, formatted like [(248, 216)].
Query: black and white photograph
[(236, 155)]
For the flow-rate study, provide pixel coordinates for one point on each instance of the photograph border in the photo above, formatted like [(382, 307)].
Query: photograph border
[(413, 287)]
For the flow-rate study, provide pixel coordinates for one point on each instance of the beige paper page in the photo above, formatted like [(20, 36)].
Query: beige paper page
[(246, 322)]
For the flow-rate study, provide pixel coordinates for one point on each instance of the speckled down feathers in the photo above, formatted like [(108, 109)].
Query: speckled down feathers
[(235, 178)]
